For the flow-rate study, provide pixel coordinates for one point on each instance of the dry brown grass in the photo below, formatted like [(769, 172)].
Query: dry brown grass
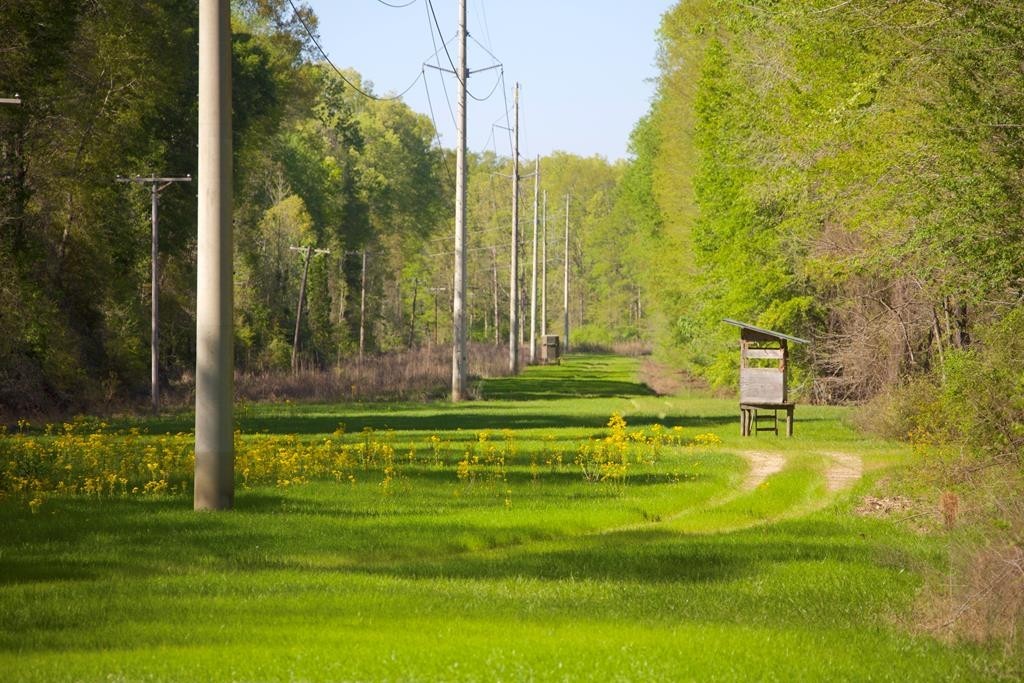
[(980, 596), (417, 374)]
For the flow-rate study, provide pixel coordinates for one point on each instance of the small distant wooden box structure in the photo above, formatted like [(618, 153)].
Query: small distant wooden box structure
[(764, 391), (550, 349)]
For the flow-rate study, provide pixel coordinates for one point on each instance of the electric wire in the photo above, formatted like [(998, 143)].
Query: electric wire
[(488, 96), (430, 7), (312, 37), (430, 28), (437, 131), (388, 4)]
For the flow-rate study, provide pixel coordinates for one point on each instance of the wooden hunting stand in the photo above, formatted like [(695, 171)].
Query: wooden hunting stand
[(764, 356)]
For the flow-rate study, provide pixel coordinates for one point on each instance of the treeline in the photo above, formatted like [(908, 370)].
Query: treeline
[(109, 88), (849, 172)]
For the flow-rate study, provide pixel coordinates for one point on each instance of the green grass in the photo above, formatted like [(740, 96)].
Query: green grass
[(675, 575)]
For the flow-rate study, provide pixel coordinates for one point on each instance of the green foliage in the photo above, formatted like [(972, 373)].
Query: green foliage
[(816, 172), (109, 89), (976, 397)]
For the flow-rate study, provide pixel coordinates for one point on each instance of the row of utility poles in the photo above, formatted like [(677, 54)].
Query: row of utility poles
[(459, 336), (514, 317), (214, 451)]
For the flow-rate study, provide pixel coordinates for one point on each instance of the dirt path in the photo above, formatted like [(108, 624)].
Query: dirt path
[(844, 471), (762, 466)]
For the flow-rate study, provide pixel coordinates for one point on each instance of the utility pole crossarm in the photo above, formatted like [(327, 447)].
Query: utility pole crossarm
[(154, 179), (10, 100)]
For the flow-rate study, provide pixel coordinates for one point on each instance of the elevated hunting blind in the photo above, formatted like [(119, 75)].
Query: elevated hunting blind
[(764, 374)]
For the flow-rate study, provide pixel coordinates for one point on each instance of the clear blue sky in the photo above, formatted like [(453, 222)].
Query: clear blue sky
[(584, 65)]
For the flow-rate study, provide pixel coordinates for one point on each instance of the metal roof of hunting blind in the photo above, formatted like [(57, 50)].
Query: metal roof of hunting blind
[(771, 333)]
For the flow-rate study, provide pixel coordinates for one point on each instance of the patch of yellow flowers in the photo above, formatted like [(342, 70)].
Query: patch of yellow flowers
[(85, 457), (610, 459)]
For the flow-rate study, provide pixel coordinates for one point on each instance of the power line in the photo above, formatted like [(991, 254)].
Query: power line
[(312, 37), (460, 77), (388, 4), (437, 50), (493, 88), (508, 122), (437, 131)]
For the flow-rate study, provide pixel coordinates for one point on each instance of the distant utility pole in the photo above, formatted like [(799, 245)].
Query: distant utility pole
[(544, 269), (156, 186), (533, 278), (215, 455), (459, 359), (565, 288), (513, 288), (494, 288), (412, 319), (435, 291), (362, 308), (308, 251)]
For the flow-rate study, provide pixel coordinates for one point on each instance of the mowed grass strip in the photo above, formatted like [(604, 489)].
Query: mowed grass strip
[(672, 574)]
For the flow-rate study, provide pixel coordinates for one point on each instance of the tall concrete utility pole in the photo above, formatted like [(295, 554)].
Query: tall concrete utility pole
[(308, 251), (544, 267), (215, 456), (156, 186), (565, 286), (533, 277), (459, 360), (513, 288)]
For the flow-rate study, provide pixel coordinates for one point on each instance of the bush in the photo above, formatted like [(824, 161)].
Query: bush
[(967, 421)]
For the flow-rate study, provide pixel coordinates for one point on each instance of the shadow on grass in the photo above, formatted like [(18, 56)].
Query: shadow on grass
[(80, 540), (531, 388), (430, 423)]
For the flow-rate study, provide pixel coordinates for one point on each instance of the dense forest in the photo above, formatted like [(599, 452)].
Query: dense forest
[(848, 172)]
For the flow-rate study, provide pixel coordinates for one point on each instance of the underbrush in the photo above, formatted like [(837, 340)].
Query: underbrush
[(966, 421), (418, 374)]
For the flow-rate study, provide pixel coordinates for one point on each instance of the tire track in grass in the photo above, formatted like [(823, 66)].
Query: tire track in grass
[(845, 471), (798, 491), (762, 466)]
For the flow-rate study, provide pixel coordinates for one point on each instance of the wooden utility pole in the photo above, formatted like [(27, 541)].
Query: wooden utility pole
[(565, 286), (156, 186), (412, 319), (362, 308), (435, 291), (544, 268), (215, 455), (308, 251), (533, 277), (459, 359), (513, 288)]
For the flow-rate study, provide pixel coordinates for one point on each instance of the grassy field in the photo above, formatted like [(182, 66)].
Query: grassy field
[(485, 553)]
